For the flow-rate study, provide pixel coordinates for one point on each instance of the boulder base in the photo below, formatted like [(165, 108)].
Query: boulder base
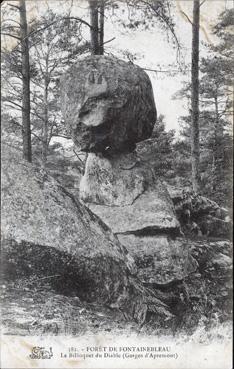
[(114, 181), (124, 193), (151, 212)]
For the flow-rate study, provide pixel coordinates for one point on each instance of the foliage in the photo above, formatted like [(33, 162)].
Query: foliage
[(145, 14), (55, 42), (53, 52), (158, 150), (216, 112)]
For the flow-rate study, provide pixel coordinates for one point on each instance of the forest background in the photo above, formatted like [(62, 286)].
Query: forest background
[(41, 39)]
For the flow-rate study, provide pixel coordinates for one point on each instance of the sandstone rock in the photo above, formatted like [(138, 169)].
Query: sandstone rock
[(151, 212), (124, 193), (116, 180), (215, 227), (221, 261), (38, 213), (108, 104), (45, 230), (136, 206), (199, 214), (160, 259)]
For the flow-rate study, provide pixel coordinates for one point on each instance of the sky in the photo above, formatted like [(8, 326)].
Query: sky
[(157, 50), (152, 47)]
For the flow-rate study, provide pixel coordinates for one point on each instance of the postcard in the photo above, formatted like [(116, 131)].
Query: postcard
[(116, 167)]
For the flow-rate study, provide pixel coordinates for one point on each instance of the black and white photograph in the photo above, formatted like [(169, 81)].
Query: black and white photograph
[(116, 184)]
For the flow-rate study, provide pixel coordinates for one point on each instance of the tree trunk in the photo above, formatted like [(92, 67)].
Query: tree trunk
[(45, 123), (195, 145), (94, 38), (218, 144), (216, 132), (26, 130), (46, 117), (101, 27)]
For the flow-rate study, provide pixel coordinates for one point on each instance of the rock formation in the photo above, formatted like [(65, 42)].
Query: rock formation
[(108, 105), (46, 232), (199, 215)]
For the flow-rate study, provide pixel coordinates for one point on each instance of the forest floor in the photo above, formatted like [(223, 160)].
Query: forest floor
[(41, 311), (31, 307)]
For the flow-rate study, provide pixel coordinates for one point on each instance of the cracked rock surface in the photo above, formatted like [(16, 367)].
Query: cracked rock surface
[(107, 104), (136, 206)]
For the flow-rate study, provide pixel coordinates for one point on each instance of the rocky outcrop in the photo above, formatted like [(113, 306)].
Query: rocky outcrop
[(160, 259), (110, 107), (46, 231), (36, 210), (199, 215), (118, 180), (127, 196), (145, 224), (212, 286), (107, 104), (124, 192)]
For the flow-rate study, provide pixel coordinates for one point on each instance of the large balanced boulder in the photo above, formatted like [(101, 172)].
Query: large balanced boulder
[(108, 104)]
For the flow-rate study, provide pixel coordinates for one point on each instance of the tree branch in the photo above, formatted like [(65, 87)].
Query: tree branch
[(187, 17), (161, 71), (106, 42), (10, 35), (202, 2), (10, 20), (34, 134), (12, 102), (51, 131), (15, 6), (47, 26), (63, 136), (37, 115), (56, 21), (165, 21)]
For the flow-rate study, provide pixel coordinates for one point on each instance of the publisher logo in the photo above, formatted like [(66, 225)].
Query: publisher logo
[(41, 353)]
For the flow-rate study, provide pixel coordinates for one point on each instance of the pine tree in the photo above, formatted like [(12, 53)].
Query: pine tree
[(195, 144), (19, 31), (216, 111)]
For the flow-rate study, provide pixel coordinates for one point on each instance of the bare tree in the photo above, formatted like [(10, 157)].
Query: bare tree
[(26, 127), (94, 30), (51, 52), (20, 33), (97, 10), (195, 145), (101, 27)]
